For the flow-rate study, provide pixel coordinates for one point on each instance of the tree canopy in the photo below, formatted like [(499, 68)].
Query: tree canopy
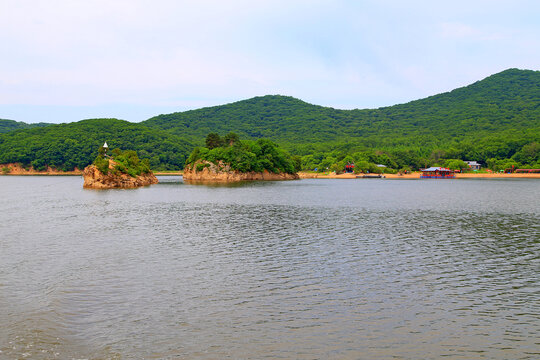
[(66, 146), (493, 121), (125, 162), (10, 125), (243, 156)]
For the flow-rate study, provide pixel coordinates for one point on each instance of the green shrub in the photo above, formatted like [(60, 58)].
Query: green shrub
[(39, 165), (132, 172), (121, 167), (126, 162), (102, 164), (200, 167)]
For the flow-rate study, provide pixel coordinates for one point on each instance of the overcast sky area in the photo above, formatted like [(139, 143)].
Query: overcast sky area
[(67, 60)]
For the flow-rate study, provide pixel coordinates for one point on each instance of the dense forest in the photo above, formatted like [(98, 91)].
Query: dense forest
[(495, 121), (66, 146)]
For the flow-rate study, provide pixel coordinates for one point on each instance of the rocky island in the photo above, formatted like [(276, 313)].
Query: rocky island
[(123, 170), (229, 159)]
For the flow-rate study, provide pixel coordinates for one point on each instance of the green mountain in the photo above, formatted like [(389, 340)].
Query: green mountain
[(66, 146), (507, 101), (280, 118), (10, 125), (495, 120), (491, 119)]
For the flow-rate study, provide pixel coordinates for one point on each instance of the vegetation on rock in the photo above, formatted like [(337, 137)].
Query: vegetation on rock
[(102, 164), (124, 162), (243, 156)]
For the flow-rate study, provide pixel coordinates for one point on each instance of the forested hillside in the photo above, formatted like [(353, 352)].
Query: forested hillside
[(10, 125), (505, 101), (495, 121), (67, 146), (492, 119)]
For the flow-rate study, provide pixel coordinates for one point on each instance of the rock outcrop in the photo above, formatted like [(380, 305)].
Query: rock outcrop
[(222, 173), (95, 179)]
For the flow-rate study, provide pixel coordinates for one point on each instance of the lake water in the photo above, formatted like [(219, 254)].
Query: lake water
[(309, 269)]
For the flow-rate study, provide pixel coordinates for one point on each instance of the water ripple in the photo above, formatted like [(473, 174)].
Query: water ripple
[(308, 270)]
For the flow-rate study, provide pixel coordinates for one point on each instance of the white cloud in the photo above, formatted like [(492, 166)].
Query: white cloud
[(336, 53)]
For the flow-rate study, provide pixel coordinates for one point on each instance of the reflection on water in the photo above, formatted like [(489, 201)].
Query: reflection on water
[(304, 269)]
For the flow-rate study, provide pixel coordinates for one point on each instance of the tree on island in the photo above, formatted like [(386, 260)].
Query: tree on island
[(243, 155), (124, 162), (230, 139), (213, 140)]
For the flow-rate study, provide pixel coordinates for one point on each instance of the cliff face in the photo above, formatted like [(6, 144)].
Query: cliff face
[(223, 173), (95, 179)]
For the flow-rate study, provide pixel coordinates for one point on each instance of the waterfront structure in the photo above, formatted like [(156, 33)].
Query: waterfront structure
[(437, 173)]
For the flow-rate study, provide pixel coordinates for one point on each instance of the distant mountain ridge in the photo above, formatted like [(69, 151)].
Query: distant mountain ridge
[(508, 100), (11, 125), (493, 118)]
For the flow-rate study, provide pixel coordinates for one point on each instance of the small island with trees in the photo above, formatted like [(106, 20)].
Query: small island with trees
[(227, 159), (123, 169)]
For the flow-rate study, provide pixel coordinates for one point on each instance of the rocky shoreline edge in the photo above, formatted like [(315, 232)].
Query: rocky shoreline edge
[(213, 173), (95, 179)]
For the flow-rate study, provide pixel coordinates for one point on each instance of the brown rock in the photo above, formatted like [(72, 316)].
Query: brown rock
[(95, 179), (223, 173)]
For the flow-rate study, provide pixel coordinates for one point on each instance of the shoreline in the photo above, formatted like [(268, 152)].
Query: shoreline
[(76, 173), (171, 173), (416, 175), (20, 171)]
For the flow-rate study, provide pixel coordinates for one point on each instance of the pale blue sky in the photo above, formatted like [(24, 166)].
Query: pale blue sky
[(67, 60)]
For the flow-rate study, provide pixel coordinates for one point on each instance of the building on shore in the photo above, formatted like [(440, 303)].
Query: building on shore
[(437, 173), (349, 168), (473, 165)]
